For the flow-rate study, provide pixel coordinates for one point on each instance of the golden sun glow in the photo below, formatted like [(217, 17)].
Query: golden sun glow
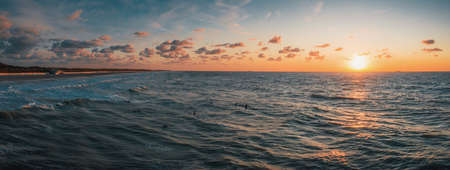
[(358, 62)]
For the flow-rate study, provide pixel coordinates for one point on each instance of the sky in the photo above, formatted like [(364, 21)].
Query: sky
[(228, 35)]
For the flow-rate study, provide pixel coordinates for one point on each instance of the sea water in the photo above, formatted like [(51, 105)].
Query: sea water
[(227, 120)]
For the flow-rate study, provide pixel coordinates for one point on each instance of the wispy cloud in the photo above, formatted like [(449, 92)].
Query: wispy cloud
[(432, 50), (323, 45), (199, 30), (318, 7), (75, 15), (141, 34), (384, 53)]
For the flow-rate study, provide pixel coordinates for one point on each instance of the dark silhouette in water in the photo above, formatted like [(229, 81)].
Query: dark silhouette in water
[(165, 126), (242, 105), (194, 113)]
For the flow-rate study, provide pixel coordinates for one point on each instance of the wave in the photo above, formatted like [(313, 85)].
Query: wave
[(38, 106), (9, 115), (318, 96), (138, 89)]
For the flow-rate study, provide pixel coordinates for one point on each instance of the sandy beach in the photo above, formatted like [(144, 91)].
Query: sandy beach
[(36, 76)]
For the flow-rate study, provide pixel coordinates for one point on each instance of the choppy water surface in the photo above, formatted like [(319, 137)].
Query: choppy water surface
[(198, 120)]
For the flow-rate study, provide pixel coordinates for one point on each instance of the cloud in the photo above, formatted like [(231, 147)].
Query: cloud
[(245, 52), (105, 37), (231, 45), (205, 51), (318, 7), (260, 43), (261, 55), (78, 43), (141, 34), (383, 53), (323, 45), (316, 55), (288, 49), (268, 15), (428, 42), (338, 49), (18, 42), (75, 15), (316, 11), (430, 50), (291, 55), (242, 55), (264, 48), (127, 48), (226, 57), (199, 30), (5, 24), (77, 50), (175, 49), (274, 59), (147, 52), (275, 40)]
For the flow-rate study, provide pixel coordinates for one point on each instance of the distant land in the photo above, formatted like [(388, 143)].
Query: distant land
[(5, 68)]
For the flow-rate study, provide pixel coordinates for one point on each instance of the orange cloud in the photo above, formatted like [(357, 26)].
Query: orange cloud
[(316, 55), (291, 55), (105, 37), (226, 57), (199, 30), (384, 53), (261, 55), (274, 59), (264, 48), (275, 40), (428, 42), (323, 45), (429, 50), (260, 43), (75, 15), (5, 23), (288, 49), (338, 49)]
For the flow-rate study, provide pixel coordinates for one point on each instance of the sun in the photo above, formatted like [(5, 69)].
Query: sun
[(358, 62)]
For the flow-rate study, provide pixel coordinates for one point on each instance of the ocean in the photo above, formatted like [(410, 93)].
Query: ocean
[(227, 120)]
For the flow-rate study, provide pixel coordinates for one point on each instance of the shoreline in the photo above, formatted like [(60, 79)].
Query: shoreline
[(44, 76)]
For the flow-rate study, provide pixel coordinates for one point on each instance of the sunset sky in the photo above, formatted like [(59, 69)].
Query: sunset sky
[(228, 35)]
